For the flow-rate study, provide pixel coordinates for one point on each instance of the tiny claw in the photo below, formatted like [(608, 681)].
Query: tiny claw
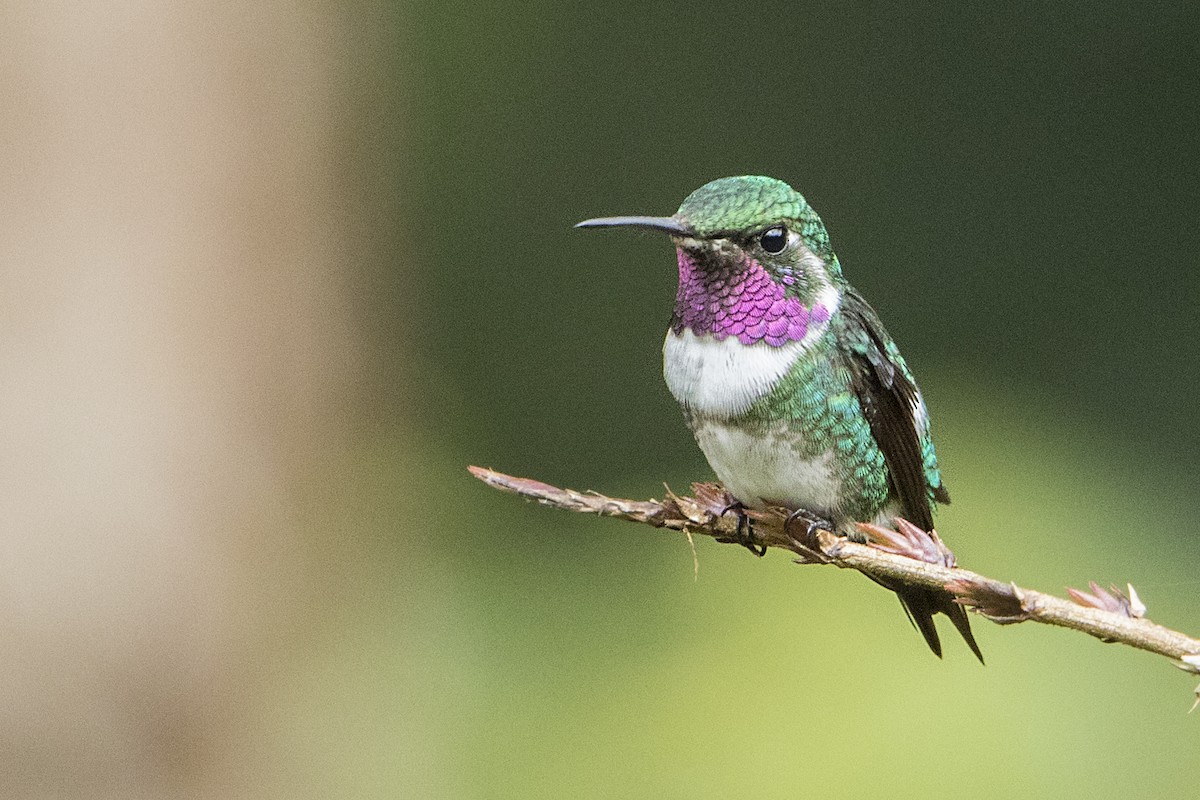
[(808, 545), (744, 535)]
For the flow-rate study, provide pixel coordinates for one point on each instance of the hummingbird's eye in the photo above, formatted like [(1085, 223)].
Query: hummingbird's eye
[(773, 240)]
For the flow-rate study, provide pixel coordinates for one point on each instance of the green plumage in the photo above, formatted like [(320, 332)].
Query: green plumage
[(736, 205), (787, 377), (816, 402)]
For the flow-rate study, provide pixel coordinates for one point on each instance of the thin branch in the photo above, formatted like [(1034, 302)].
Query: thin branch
[(909, 557)]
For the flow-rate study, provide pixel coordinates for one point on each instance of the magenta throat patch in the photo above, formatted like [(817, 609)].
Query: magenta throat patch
[(741, 300)]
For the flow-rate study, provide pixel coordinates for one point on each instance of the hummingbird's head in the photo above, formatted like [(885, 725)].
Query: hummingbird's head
[(754, 261)]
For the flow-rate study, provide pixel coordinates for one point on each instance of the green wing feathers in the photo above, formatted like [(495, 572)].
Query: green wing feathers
[(890, 401)]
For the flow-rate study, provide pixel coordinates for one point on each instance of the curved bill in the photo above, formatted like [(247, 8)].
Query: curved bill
[(667, 224)]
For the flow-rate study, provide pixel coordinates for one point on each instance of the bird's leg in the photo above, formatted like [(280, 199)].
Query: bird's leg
[(808, 540), (745, 529)]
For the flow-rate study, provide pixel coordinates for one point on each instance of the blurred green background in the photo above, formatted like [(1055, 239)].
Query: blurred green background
[(1014, 189)]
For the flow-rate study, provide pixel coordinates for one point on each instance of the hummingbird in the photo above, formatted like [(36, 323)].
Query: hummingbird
[(794, 390)]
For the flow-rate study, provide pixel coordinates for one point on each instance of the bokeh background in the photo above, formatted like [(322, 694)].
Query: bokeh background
[(274, 274)]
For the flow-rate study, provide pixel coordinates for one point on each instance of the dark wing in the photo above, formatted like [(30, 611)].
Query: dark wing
[(889, 398)]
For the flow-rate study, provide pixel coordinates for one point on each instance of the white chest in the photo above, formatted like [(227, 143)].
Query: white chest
[(717, 381), (767, 467), (723, 378)]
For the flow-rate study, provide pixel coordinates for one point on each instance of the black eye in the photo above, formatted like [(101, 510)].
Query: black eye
[(773, 240)]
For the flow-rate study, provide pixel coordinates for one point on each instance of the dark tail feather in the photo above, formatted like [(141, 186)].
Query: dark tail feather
[(960, 620), (922, 604)]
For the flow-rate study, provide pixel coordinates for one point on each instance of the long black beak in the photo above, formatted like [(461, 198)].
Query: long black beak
[(668, 224)]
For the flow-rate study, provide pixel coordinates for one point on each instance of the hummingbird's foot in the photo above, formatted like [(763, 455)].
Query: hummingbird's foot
[(807, 541), (744, 535)]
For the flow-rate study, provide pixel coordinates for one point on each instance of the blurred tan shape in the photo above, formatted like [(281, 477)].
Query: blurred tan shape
[(174, 349)]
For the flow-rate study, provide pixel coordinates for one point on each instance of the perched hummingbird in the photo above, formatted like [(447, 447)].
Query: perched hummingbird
[(795, 392)]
